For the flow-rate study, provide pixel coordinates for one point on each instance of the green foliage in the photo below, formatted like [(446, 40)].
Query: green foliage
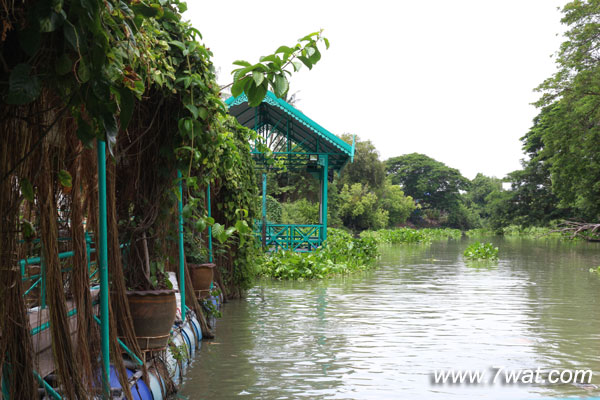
[(158, 276), (530, 231), (340, 254), (480, 232), (272, 71), (411, 236), (274, 210), (366, 168), (481, 251), (359, 210), (432, 184), (567, 127), (532, 200), (398, 206), (210, 309), (476, 199), (300, 212)]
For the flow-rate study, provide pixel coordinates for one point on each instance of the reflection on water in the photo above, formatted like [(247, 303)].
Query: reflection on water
[(381, 334)]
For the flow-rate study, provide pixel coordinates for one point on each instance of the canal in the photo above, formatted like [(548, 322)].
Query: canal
[(383, 334)]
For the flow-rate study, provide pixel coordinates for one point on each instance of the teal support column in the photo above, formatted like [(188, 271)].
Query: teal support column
[(264, 210), (43, 283), (103, 267), (324, 196), (210, 249), (5, 380), (181, 251)]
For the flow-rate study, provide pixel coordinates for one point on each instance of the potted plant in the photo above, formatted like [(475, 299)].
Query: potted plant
[(201, 271), (153, 311), (151, 298)]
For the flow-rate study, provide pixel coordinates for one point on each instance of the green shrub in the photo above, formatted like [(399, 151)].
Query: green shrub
[(481, 251), (300, 212), (274, 210)]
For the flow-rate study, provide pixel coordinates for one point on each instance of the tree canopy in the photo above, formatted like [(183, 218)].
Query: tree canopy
[(431, 183)]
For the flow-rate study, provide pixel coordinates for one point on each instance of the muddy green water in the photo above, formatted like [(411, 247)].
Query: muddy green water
[(381, 334)]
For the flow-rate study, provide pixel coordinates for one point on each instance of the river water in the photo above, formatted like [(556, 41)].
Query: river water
[(382, 334)]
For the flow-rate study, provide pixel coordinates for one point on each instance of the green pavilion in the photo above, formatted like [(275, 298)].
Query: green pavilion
[(297, 143)]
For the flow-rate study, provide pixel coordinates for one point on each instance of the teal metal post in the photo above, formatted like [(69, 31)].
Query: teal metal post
[(324, 196), (181, 251), (208, 206), (103, 267), (43, 284), (264, 209), (5, 380)]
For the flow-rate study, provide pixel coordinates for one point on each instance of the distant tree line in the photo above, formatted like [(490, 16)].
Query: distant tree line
[(559, 178)]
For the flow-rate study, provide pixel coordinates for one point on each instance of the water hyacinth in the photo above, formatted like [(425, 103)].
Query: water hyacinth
[(481, 251), (340, 254), (409, 235)]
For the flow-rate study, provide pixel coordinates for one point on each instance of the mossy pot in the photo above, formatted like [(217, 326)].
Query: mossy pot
[(202, 276)]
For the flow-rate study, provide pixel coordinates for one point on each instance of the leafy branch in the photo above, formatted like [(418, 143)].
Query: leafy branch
[(273, 70)]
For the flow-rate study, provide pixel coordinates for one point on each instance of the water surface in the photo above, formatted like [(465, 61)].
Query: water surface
[(381, 334)]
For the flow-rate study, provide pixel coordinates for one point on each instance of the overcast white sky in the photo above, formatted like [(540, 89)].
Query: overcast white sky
[(450, 79)]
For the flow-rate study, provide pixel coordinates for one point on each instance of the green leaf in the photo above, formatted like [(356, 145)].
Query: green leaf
[(242, 63), (326, 42), (178, 44), (242, 226), (72, 36), (84, 132), (203, 113), (147, 11), (272, 58), (256, 94), (22, 87), (238, 87), (217, 229), (51, 22), (65, 179), (28, 229), (200, 225), (258, 77), (193, 109), (297, 65), (309, 36), (305, 61), (187, 211), (281, 86), (26, 189), (210, 220), (284, 50), (63, 65), (83, 71), (316, 55), (127, 103), (111, 131)]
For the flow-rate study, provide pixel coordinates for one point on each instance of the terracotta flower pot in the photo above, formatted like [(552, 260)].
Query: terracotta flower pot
[(202, 276), (153, 313)]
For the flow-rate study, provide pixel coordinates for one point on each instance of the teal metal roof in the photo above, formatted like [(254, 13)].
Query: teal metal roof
[(288, 131)]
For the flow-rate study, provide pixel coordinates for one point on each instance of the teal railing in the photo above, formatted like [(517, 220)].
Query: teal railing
[(291, 236), (40, 280)]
